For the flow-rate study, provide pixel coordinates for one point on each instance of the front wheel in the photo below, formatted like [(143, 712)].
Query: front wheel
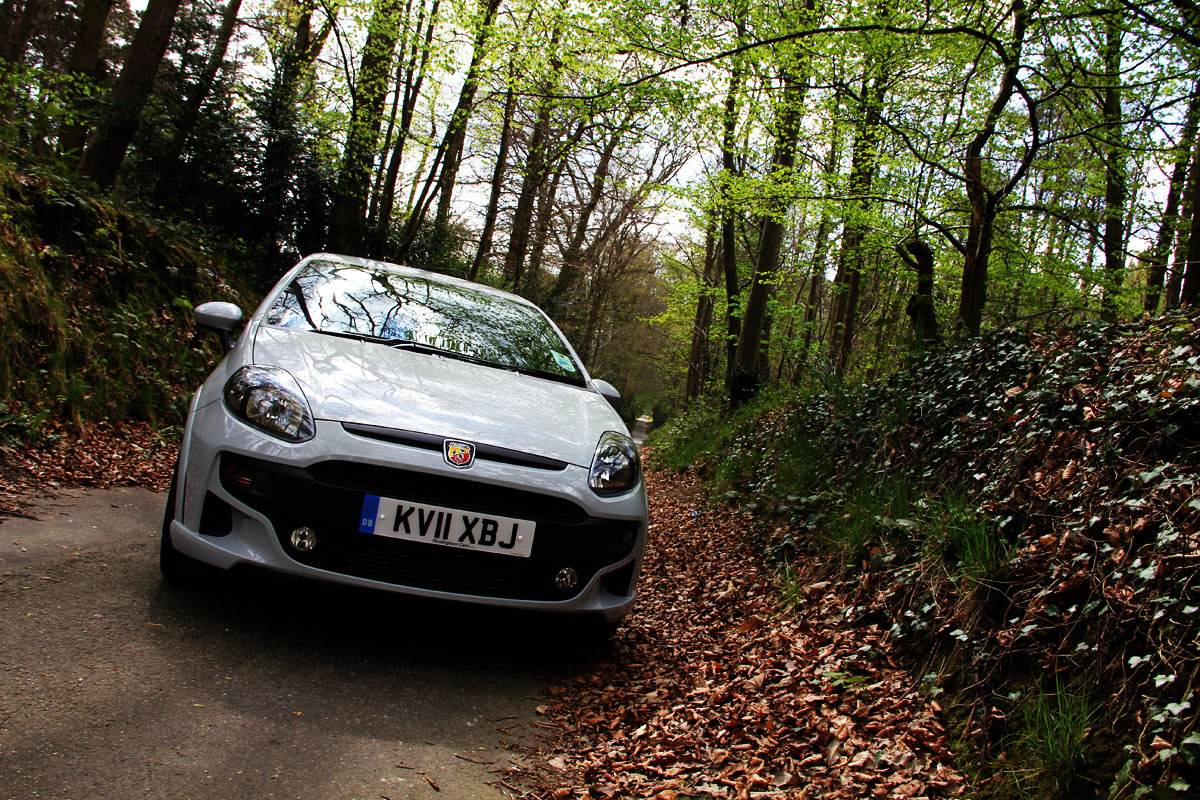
[(590, 633), (176, 567)]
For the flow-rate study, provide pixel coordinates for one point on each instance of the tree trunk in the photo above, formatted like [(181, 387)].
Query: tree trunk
[(24, 22), (108, 144), (1114, 170), (497, 187), (985, 203), (198, 94), (25, 19), (729, 256), (698, 358), (283, 147), (764, 349), (450, 148), (920, 307), (746, 375), (366, 116), (413, 79), (820, 250), (1190, 268), (572, 265), (541, 229), (10, 14), (843, 316), (85, 57), (1191, 197), (1157, 262), (381, 167), (456, 134), (534, 174)]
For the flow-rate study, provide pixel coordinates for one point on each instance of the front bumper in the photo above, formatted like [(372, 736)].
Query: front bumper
[(320, 484)]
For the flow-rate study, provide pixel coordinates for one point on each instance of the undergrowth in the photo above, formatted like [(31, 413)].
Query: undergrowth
[(1023, 514), (95, 308)]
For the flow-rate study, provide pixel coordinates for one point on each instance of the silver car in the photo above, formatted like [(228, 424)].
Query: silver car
[(394, 429)]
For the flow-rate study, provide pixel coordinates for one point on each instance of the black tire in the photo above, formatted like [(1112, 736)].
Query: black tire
[(176, 568), (591, 633)]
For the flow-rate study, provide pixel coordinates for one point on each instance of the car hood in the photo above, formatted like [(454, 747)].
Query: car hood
[(352, 381)]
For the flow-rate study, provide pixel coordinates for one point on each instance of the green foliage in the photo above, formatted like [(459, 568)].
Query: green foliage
[(967, 543), (1016, 507), (871, 507), (94, 309), (688, 437), (790, 582), (1051, 740), (438, 249)]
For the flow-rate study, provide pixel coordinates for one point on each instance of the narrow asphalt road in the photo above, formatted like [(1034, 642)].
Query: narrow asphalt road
[(641, 429), (116, 685)]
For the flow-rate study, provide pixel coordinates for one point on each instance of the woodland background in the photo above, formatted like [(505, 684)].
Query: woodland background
[(916, 281), (712, 196)]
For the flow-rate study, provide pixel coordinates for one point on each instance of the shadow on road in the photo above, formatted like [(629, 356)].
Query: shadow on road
[(313, 618), (116, 684)]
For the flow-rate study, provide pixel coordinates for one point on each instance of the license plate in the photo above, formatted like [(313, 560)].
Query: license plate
[(449, 527)]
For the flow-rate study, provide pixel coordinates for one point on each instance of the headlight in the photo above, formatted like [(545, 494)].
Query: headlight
[(269, 398), (615, 467)]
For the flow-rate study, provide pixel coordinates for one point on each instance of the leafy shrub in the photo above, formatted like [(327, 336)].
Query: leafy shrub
[(1022, 510), (1051, 740), (683, 440), (95, 307)]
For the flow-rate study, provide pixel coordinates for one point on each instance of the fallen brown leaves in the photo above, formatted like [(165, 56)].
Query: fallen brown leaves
[(100, 455), (714, 690)]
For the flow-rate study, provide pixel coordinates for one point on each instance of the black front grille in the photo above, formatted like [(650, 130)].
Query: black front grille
[(423, 487), (428, 441), (328, 497)]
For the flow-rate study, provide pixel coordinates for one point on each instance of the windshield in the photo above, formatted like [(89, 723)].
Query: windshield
[(398, 310)]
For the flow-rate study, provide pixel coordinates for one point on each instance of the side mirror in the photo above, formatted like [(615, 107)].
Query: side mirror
[(607, 391), (224, 318)]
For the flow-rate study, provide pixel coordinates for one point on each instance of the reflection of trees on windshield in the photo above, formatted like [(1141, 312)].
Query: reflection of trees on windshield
[(340, 298)]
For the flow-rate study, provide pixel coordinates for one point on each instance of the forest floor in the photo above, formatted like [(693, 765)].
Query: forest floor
[(100, 455), (712, 687)]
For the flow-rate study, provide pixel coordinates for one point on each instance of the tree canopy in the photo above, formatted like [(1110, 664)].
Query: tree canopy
[(718, 195)]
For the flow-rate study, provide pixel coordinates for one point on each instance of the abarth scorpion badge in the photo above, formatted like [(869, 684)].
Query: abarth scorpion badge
[(459, 455)]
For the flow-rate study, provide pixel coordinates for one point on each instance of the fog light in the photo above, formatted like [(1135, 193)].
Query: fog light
[(304, 539), (237, 476), (566, 578)]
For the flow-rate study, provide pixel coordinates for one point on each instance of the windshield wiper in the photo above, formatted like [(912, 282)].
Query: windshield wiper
[(407, 344), (573, 380), (434, 350), (362, 337), (422, 347)]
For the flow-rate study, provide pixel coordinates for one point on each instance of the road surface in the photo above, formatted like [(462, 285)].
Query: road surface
[(641, 429), (116, 685)]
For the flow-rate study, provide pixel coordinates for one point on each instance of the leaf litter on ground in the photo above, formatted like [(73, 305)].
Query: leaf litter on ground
[(710, 689), (713, 689), (99, 455)]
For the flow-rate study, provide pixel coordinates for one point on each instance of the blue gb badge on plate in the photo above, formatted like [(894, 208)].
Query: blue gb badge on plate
[(366, 522)]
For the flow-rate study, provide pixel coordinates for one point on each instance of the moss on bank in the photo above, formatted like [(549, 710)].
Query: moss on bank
[(95, 303)]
